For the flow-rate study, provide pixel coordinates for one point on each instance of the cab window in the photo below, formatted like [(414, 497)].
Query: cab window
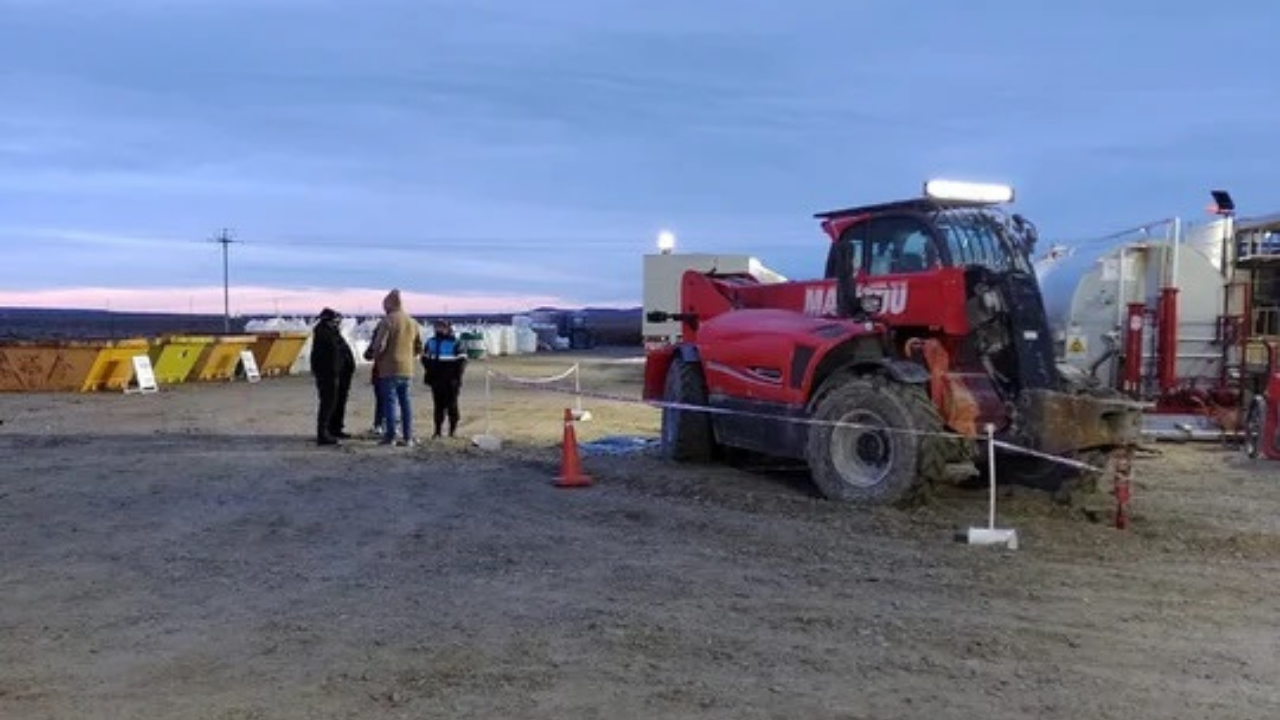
[(846, 253), (900, 245)]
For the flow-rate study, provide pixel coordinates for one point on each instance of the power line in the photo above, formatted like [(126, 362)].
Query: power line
[(225, 241)]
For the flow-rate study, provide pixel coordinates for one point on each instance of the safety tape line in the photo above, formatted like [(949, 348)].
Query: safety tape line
[(535, 380), (663, 404)]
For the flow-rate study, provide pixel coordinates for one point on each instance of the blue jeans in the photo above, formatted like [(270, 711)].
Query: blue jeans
[(395, 390)]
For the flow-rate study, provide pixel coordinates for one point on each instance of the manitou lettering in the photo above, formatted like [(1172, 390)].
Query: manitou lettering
[(893, 296), (821, 301)]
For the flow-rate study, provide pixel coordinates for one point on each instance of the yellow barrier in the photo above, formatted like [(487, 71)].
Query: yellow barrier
[(275, 352), (173, 357), (219, 359), (47, 365), (113, 367)]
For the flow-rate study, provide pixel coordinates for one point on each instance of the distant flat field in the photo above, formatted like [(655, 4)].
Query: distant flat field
[(611, 327), (193, 554)]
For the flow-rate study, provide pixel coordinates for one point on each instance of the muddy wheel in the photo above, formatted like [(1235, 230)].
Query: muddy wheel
[(686, 434), (1253, 427), (880, 457)]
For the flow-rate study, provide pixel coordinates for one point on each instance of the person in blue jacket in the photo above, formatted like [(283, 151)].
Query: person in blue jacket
[(444, 362)]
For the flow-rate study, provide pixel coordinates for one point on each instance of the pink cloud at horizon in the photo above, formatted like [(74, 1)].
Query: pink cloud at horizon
[(266, 300)]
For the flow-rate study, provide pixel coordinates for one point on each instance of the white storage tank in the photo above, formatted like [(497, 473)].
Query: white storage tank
[(493, 340), (1087, 288), (526, 340)]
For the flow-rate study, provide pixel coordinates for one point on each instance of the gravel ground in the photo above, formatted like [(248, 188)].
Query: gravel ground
[(192, 555)]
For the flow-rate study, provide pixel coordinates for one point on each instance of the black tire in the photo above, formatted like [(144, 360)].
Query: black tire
[(686, 434), (1063, 481), (885, 462), (1253, 427)]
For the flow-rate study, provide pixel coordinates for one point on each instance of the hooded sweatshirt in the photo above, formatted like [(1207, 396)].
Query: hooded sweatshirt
[(398, 342)]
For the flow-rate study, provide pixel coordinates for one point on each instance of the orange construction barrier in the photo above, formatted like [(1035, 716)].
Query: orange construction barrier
[(113, 368), (571, 474), (220, 359), (47, 365), (174, 356), (276, 351)]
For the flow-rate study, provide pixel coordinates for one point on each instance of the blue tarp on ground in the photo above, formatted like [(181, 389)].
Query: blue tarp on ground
[(618, 445)]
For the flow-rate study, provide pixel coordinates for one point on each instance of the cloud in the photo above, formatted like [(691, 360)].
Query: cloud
[(462, 146), (263, 300)]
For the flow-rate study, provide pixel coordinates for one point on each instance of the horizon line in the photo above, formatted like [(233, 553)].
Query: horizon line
[(251, 301)]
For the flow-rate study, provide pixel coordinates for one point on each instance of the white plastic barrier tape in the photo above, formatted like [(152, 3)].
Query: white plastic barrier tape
[(535, 380), (539, 383), (536, 383)]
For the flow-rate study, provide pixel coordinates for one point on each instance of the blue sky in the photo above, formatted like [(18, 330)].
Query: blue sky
[(495, 153)]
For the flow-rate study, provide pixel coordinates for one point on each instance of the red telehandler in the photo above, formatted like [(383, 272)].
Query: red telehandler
[(927, 326)]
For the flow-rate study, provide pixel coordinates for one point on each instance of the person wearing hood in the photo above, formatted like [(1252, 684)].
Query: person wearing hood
[(333, 365), (395, 347), (444, 363)]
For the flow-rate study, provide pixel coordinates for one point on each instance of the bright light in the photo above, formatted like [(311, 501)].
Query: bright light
[(666, 242), (970, 192)]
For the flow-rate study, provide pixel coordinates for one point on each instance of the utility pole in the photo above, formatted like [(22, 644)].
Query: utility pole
[(225, 241)]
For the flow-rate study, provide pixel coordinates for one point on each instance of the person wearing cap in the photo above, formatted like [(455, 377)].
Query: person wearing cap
[(396, 343), (444, 363), (333, 365)]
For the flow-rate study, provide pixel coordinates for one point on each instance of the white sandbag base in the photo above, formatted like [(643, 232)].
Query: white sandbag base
[(487, 442), (992, 536)]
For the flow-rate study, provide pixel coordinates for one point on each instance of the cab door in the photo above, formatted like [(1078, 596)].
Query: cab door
[(904, 262)]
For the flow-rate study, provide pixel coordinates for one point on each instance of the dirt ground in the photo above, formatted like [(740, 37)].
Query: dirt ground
[(192, 554)]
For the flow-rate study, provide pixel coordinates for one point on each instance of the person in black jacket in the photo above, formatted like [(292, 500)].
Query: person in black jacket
[(444, 362), (333, 364)]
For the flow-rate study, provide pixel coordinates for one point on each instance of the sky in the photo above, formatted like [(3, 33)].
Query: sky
[(487, 155)]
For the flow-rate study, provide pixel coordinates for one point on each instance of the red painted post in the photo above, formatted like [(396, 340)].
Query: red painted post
[(1122, 467), (1167, 340), (1131, 372)]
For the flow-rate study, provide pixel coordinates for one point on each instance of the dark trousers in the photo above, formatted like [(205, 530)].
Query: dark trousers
[(444, 395), (332, 414), (379, 412)]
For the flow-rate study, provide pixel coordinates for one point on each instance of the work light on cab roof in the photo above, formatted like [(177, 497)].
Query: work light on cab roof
[(954, 190)]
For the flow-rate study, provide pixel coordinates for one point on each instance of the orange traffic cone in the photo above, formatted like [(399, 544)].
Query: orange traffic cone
[(571, 474)]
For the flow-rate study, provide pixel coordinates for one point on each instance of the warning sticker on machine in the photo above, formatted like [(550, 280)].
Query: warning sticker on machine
[(1077, 347)]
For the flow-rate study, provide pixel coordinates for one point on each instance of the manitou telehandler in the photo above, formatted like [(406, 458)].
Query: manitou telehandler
[(927, 326)]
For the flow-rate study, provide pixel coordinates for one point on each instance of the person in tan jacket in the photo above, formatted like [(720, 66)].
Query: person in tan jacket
[(396, 345)]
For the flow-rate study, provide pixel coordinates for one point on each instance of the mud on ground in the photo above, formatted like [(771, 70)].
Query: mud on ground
[(192, 555)]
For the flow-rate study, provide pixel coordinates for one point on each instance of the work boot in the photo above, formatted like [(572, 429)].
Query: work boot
[(327, 440)]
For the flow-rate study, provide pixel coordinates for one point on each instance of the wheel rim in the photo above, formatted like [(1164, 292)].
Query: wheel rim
[(863, 451)]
